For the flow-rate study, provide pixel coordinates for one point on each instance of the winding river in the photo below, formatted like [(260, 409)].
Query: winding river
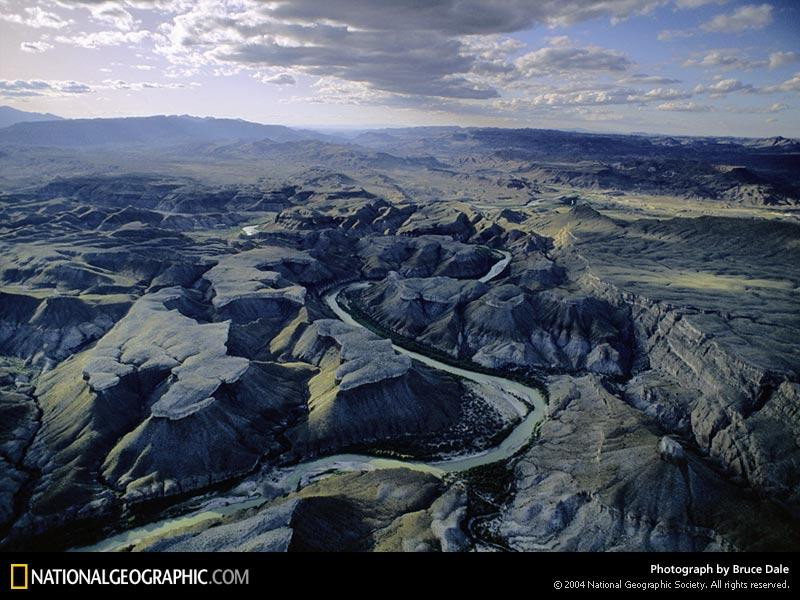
[(526, 401)]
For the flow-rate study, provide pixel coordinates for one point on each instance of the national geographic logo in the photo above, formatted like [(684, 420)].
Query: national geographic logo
[(19, 576), (23, 577)]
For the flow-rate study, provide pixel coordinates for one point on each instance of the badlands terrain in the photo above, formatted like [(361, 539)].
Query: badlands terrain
[(219, 335)]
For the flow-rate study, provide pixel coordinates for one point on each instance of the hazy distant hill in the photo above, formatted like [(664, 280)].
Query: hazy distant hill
[(549, 144), (333, 155), (154, 131), (10, 116)]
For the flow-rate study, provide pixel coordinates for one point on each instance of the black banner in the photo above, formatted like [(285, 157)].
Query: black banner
[(553, 572)]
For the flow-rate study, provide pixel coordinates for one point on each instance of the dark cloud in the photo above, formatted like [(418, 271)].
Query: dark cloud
[(458, 17), (414, 47), (408, 64)]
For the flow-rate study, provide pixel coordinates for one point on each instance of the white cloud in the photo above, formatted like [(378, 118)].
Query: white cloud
[(582, 98), (35, 47), (644, 79), (279, 79), (18, 88), (749, 16), (114, 15), (723, 87), (99, 39), (778, 59), (559, 40), (667, 35), (683, 107), (790, 85), (725, 60), (600, 95), (660, 94), (696, 3), (36, 18), (137, 86), (776, 107)]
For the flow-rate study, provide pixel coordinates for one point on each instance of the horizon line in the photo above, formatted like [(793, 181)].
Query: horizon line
[(321, 128)]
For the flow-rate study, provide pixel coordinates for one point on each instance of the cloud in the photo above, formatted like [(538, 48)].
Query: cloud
[(411, 62), (459, 17), (558, 58), (749, 16), (667, 35), (725, 60), (660, 94), (790, 85), (776, 107), (696, 3), (137, 86), (99, 39), (582, 98), (35, 47), (558, 40), (724, 87), (454, 56), (36, 18), (644, 79), (778, 59), (114, 15), (602, 95), (683, 107), (280, 79), (18, 88), (438, 48)]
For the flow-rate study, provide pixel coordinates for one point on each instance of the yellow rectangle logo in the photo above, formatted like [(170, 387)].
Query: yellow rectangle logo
[(19, 580)]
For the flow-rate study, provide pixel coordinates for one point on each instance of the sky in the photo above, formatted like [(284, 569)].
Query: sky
[(688, 67)]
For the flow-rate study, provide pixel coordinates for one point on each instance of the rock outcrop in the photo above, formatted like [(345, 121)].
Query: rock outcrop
[(503, 325), (392, 510), (364, 391), (600, 477), (158, 381)]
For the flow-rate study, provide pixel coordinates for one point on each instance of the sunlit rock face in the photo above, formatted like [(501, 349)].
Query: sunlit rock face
[(157, 406), (366, 358), (395, 510), (153, 339), (503, 325), (365, 390)]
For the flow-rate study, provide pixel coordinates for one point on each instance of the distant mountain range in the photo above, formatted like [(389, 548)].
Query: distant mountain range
[(153, 131), (11, 116), (255, 139)]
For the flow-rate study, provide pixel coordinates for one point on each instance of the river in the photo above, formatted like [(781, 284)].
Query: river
[(526, 401)]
